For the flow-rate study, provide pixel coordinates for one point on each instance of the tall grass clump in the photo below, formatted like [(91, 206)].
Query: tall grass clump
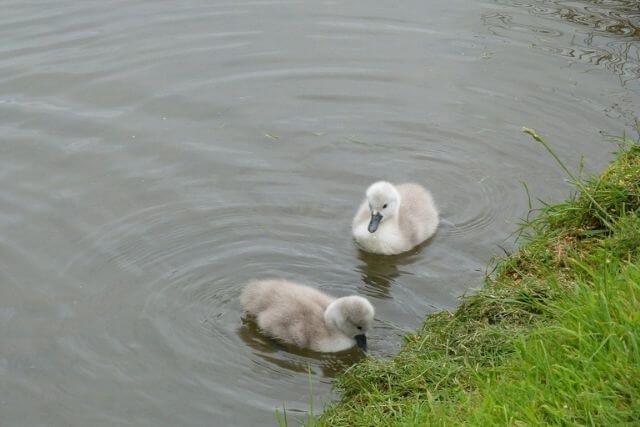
[(552, 338)]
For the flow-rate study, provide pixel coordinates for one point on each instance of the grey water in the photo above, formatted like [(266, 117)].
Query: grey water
[(156, 155)]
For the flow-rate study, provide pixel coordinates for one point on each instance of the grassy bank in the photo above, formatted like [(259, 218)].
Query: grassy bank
[(553, 337)]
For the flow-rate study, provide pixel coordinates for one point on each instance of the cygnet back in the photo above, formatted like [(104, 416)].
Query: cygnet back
[(288, 311), (306, 317)]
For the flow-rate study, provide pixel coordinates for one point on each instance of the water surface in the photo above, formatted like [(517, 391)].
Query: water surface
[(156, 155)]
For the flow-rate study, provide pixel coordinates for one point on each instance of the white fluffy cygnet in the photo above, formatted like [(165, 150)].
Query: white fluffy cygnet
[(394, 218), (306, 317)]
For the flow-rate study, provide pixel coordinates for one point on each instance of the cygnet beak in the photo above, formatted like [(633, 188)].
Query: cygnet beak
[(375, 221), (361, 341)]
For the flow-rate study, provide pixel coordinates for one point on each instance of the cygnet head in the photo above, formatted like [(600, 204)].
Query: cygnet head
[(352, 316), (384, 202)]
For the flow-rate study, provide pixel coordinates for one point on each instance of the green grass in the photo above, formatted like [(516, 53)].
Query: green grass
[(552, 338)]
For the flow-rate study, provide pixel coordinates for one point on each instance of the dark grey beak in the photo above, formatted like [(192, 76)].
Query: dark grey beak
[(361, 341), (375, 221)]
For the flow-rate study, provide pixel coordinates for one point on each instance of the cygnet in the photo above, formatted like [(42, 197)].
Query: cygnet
[(394, 218), (306, 317)]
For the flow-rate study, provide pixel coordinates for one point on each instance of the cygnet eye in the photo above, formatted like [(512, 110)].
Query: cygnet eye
[(360, 327), (384, 206)]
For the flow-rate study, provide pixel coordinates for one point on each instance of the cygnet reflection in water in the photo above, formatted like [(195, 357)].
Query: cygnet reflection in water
[(379, 272), (293, 358)]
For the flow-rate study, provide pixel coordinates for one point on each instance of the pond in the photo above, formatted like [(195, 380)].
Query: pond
[(157, 155)]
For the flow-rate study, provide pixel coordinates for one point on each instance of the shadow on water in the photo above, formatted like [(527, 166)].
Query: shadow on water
[(293, 358)]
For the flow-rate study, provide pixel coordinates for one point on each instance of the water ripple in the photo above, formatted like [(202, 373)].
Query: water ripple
[(594, 24)]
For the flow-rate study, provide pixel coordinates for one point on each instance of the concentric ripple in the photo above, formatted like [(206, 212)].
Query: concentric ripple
[(189, 309)]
